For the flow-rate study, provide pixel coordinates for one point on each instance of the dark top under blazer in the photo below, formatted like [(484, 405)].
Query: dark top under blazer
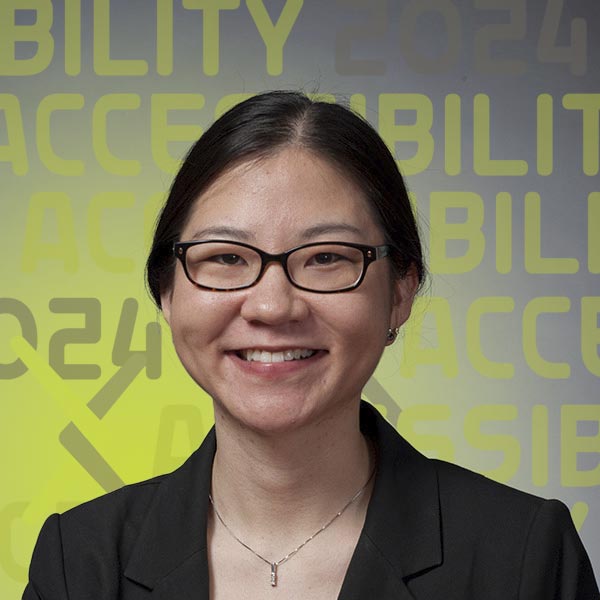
[(432, 531)]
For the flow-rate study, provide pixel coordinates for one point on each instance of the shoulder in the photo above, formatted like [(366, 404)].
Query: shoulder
[(118, 516), (460, 486), (526, 540), (465, 492), (107, 526), (92, 540), (120, 503), (457, 489), (93, 543), (112, 511), (483, 508)]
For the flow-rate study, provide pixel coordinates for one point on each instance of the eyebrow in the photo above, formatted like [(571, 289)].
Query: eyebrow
[(223, 231), (327, 228)]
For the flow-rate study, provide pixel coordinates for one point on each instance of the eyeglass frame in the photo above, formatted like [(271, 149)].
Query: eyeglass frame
[(370, 255)]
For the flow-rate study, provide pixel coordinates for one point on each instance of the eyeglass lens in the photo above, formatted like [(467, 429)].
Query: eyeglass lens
[(326, 267)]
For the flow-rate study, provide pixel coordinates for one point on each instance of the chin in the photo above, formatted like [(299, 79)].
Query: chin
[(268, 414), (281, 412)]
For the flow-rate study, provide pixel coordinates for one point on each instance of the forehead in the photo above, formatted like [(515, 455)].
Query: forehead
[(281, 197)]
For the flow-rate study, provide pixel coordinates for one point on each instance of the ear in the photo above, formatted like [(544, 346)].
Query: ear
[(403, 295), (166, 298)]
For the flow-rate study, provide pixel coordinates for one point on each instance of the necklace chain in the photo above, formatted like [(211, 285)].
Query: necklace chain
[(276, 564)]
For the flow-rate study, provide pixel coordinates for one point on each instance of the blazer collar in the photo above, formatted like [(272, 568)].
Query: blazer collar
[(170, 554), (402, 533), (401, 536)]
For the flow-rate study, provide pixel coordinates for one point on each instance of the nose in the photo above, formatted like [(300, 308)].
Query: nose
[(274, 300)]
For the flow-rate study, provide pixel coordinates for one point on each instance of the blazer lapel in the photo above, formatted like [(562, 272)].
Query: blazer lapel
[(402, 533), (401, 537), (170, 554), (370, 575), (188, 581)]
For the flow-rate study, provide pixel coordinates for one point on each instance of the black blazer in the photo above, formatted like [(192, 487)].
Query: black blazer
[(433, 531)]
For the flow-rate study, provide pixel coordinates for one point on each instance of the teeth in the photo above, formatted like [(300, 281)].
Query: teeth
[(275, 357)]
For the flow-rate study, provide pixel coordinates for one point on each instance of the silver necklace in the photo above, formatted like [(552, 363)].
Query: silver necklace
[(275, 565)]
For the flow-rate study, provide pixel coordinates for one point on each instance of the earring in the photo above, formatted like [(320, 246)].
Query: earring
[(392, 333)]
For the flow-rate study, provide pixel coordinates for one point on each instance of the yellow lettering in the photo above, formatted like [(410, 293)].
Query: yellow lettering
[(534, 261), (162, 133), (485, 366), (180, 428), (106, 104), (164, 37), (579, 513), (592, 232), (35, 247), (469, 230), (229, 101), (358, 103), (211, 29), (49, 105), (533, 309), (11, 515), (151, 211), (483, 164), (452, 135), (14, 151), (274, 36), (539, 445), (415, 353), (507, 444), (98, 205), (72, 37), (419, 131), (589, 105), (434, 444), (322, 97), (545, 135), (590, 333), (103, 63), (39, 33), (503, 232), (572, 444)]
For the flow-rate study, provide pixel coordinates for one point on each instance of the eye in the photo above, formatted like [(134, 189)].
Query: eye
[(227, 259), (325, 259)]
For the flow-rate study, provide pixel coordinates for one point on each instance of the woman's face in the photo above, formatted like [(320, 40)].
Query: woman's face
[(273, 204)]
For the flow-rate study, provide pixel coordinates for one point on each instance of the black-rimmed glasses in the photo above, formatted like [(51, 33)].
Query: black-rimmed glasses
[(325, 267)]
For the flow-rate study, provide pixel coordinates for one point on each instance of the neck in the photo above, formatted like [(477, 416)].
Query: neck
[(298, 479)]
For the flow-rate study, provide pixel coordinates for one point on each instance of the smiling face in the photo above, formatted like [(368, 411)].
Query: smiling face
[(272, 356)]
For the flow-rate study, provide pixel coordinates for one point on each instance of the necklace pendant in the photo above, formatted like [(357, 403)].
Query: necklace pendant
[(273, 574)]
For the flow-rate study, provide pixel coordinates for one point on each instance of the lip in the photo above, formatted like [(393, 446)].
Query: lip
[(254, 354), (272, 348), (276, 348), (275, 369)]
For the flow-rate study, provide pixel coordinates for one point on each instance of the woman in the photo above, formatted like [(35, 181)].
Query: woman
[(284, 261)]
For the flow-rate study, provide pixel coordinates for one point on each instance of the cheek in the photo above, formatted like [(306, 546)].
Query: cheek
[(363, 320), (197, 317)]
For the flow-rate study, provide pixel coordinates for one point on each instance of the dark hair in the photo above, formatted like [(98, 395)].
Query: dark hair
[(263, 125)]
